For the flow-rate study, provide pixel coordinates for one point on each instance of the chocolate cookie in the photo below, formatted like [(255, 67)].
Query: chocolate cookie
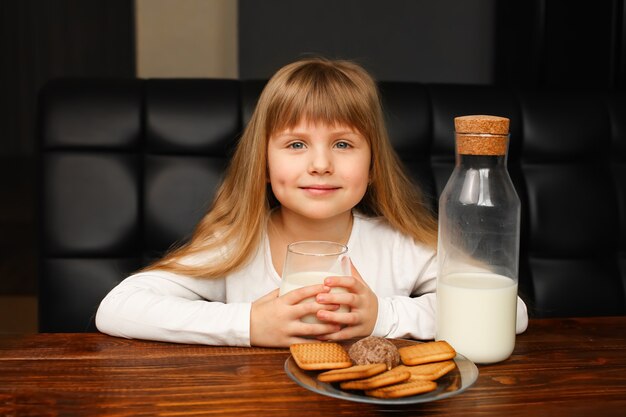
[(373, 349)]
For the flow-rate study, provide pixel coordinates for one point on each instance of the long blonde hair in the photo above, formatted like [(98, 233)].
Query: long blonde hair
[(320, 90)]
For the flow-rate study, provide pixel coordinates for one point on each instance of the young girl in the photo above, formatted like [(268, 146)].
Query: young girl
[(314, 163)]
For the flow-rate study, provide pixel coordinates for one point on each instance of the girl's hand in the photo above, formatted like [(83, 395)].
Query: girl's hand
[(275, 321), (363, 303)]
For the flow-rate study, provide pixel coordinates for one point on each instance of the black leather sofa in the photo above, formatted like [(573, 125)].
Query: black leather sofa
[(127, 167)]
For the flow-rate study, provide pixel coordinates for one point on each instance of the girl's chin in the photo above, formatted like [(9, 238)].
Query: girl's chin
[(319, 214)]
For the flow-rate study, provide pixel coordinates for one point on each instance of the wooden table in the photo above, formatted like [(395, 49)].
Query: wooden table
[(560, 367)]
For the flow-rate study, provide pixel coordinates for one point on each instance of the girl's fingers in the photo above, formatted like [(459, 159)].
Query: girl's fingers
[(299, 328), (319, 329), (352, 283), (300, 294), (339, 298), (341, 318), (349, 283), (309, 307)]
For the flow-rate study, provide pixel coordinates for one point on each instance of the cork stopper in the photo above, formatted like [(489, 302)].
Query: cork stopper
[(481, 135)]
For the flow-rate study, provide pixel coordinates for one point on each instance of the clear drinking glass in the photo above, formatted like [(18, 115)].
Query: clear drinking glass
[(478, 247), (309, 263)]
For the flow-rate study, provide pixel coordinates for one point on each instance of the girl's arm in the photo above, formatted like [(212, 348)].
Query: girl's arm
[(158, 305)]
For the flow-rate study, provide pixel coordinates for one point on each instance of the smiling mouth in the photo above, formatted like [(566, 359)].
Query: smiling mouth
[(320, 189)]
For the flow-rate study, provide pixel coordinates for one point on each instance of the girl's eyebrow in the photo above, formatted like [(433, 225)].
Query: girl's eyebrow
[(285, 134), (343, 132)]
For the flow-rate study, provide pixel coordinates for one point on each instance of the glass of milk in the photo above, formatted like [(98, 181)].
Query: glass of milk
[(309, 263)]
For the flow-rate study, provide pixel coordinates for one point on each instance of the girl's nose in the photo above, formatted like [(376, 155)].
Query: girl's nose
[(321, 162)]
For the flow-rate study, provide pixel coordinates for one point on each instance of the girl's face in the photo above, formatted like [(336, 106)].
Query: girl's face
[(318, 171)]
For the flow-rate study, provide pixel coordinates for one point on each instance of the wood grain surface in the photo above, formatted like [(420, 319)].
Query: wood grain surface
[(560, 367)]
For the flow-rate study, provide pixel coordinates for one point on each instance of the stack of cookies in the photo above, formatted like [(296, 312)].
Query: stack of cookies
[(422, 364)]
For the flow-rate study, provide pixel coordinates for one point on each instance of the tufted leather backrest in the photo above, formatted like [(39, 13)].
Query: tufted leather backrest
[(127, 168)]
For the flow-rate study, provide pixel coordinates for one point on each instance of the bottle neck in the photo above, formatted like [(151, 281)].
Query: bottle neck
[(481, 161)]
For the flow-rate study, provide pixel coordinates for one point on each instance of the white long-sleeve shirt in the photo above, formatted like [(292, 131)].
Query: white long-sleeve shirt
[(159, 305)]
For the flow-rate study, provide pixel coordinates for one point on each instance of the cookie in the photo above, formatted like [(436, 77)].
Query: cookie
[(320, 356), (353, 372), (428, 371), (426, 352), (373, 349), (403, 389), (377, 381)]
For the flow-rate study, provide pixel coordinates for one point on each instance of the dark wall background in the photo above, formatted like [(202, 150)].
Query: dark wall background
[(527, 43), (561, 43), (397, 40), (40, 40)]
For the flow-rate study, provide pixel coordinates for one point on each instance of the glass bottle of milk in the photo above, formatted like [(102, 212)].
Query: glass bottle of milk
[(478, 249)]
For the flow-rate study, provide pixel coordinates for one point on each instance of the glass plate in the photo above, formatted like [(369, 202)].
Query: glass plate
[(453, 383)]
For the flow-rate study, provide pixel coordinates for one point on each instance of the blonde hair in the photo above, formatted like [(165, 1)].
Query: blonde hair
[(332, 92)]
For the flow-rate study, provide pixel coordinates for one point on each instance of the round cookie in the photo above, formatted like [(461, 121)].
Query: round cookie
[(373, 349)]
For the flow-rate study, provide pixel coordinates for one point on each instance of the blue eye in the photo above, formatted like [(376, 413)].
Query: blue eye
[(343, 145), (296, 145)]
